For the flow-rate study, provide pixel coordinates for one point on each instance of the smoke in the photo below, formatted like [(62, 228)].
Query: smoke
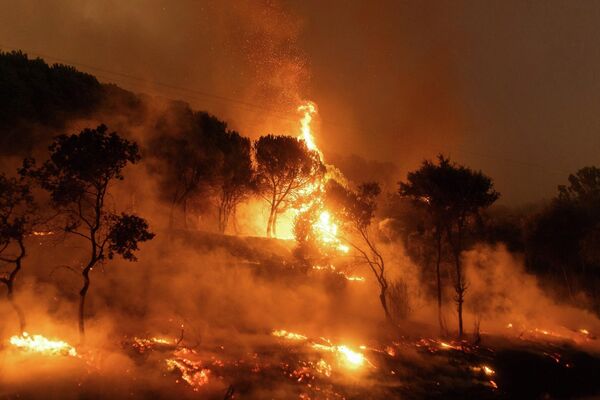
[(507, 300)]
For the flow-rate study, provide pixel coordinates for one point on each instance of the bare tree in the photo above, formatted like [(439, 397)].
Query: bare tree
[(78, 175), (356, 210)]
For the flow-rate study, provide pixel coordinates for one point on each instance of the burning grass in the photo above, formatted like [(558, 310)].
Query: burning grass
[(42, 345), (286, 364)]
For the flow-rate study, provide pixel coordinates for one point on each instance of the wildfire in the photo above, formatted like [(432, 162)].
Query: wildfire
[(345, 355), (43, 345), (325, 227), (191, 371), (308, 109), (144, 344), (332, 269), (282, 333), (42, 233), (328, 230)]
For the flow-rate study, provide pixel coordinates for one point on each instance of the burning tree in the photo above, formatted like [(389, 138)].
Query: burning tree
[(356, 210), (78, 175), (16, 212), (286, 171)]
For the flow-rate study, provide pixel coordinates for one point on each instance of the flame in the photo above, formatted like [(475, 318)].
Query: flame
[(282, 333), (43, 345), (143, 344), (346, 356), (332, 269), (308, 109), (42, 233), (325, 227), (191, 371)]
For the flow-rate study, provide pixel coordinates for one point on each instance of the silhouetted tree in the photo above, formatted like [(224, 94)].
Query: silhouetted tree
[(356, 210), (16, 219), (453, 196), (78, 175), (468, 192), (428, 188), (562, 240), (285, 169), (187, 155), (35, 93), (235, 178)]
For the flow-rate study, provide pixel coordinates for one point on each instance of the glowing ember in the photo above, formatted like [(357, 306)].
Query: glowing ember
[(323, 367), (445, 345), (332, 269), (346, 356), (143, 344), (282, 333), (43, 345), (485, 369), (42, 233), (191, 371)]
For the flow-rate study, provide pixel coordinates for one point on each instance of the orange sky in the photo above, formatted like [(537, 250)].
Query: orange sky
[(510, 87)]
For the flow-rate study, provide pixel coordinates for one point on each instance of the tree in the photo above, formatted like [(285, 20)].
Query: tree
[(235, 179), (562, 240), (78, 175), (187, 156), (286, 169), (356, 210), (427, 187), (467, 192), (583, 187), (452, 195), (35, 93), (16, 219)]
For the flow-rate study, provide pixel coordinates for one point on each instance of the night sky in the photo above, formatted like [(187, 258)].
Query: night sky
[(509, 87)]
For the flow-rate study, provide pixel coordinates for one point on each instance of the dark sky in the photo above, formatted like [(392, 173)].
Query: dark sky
[(509, 87)]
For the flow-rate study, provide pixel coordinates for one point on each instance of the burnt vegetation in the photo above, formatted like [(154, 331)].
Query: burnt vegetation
[(164, 189)]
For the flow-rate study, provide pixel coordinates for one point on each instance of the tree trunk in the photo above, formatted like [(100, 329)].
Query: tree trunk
[(439, 279), (274, 225), (459, 286), (270, 223), (82, 294), (460, 292), (383, 300)]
